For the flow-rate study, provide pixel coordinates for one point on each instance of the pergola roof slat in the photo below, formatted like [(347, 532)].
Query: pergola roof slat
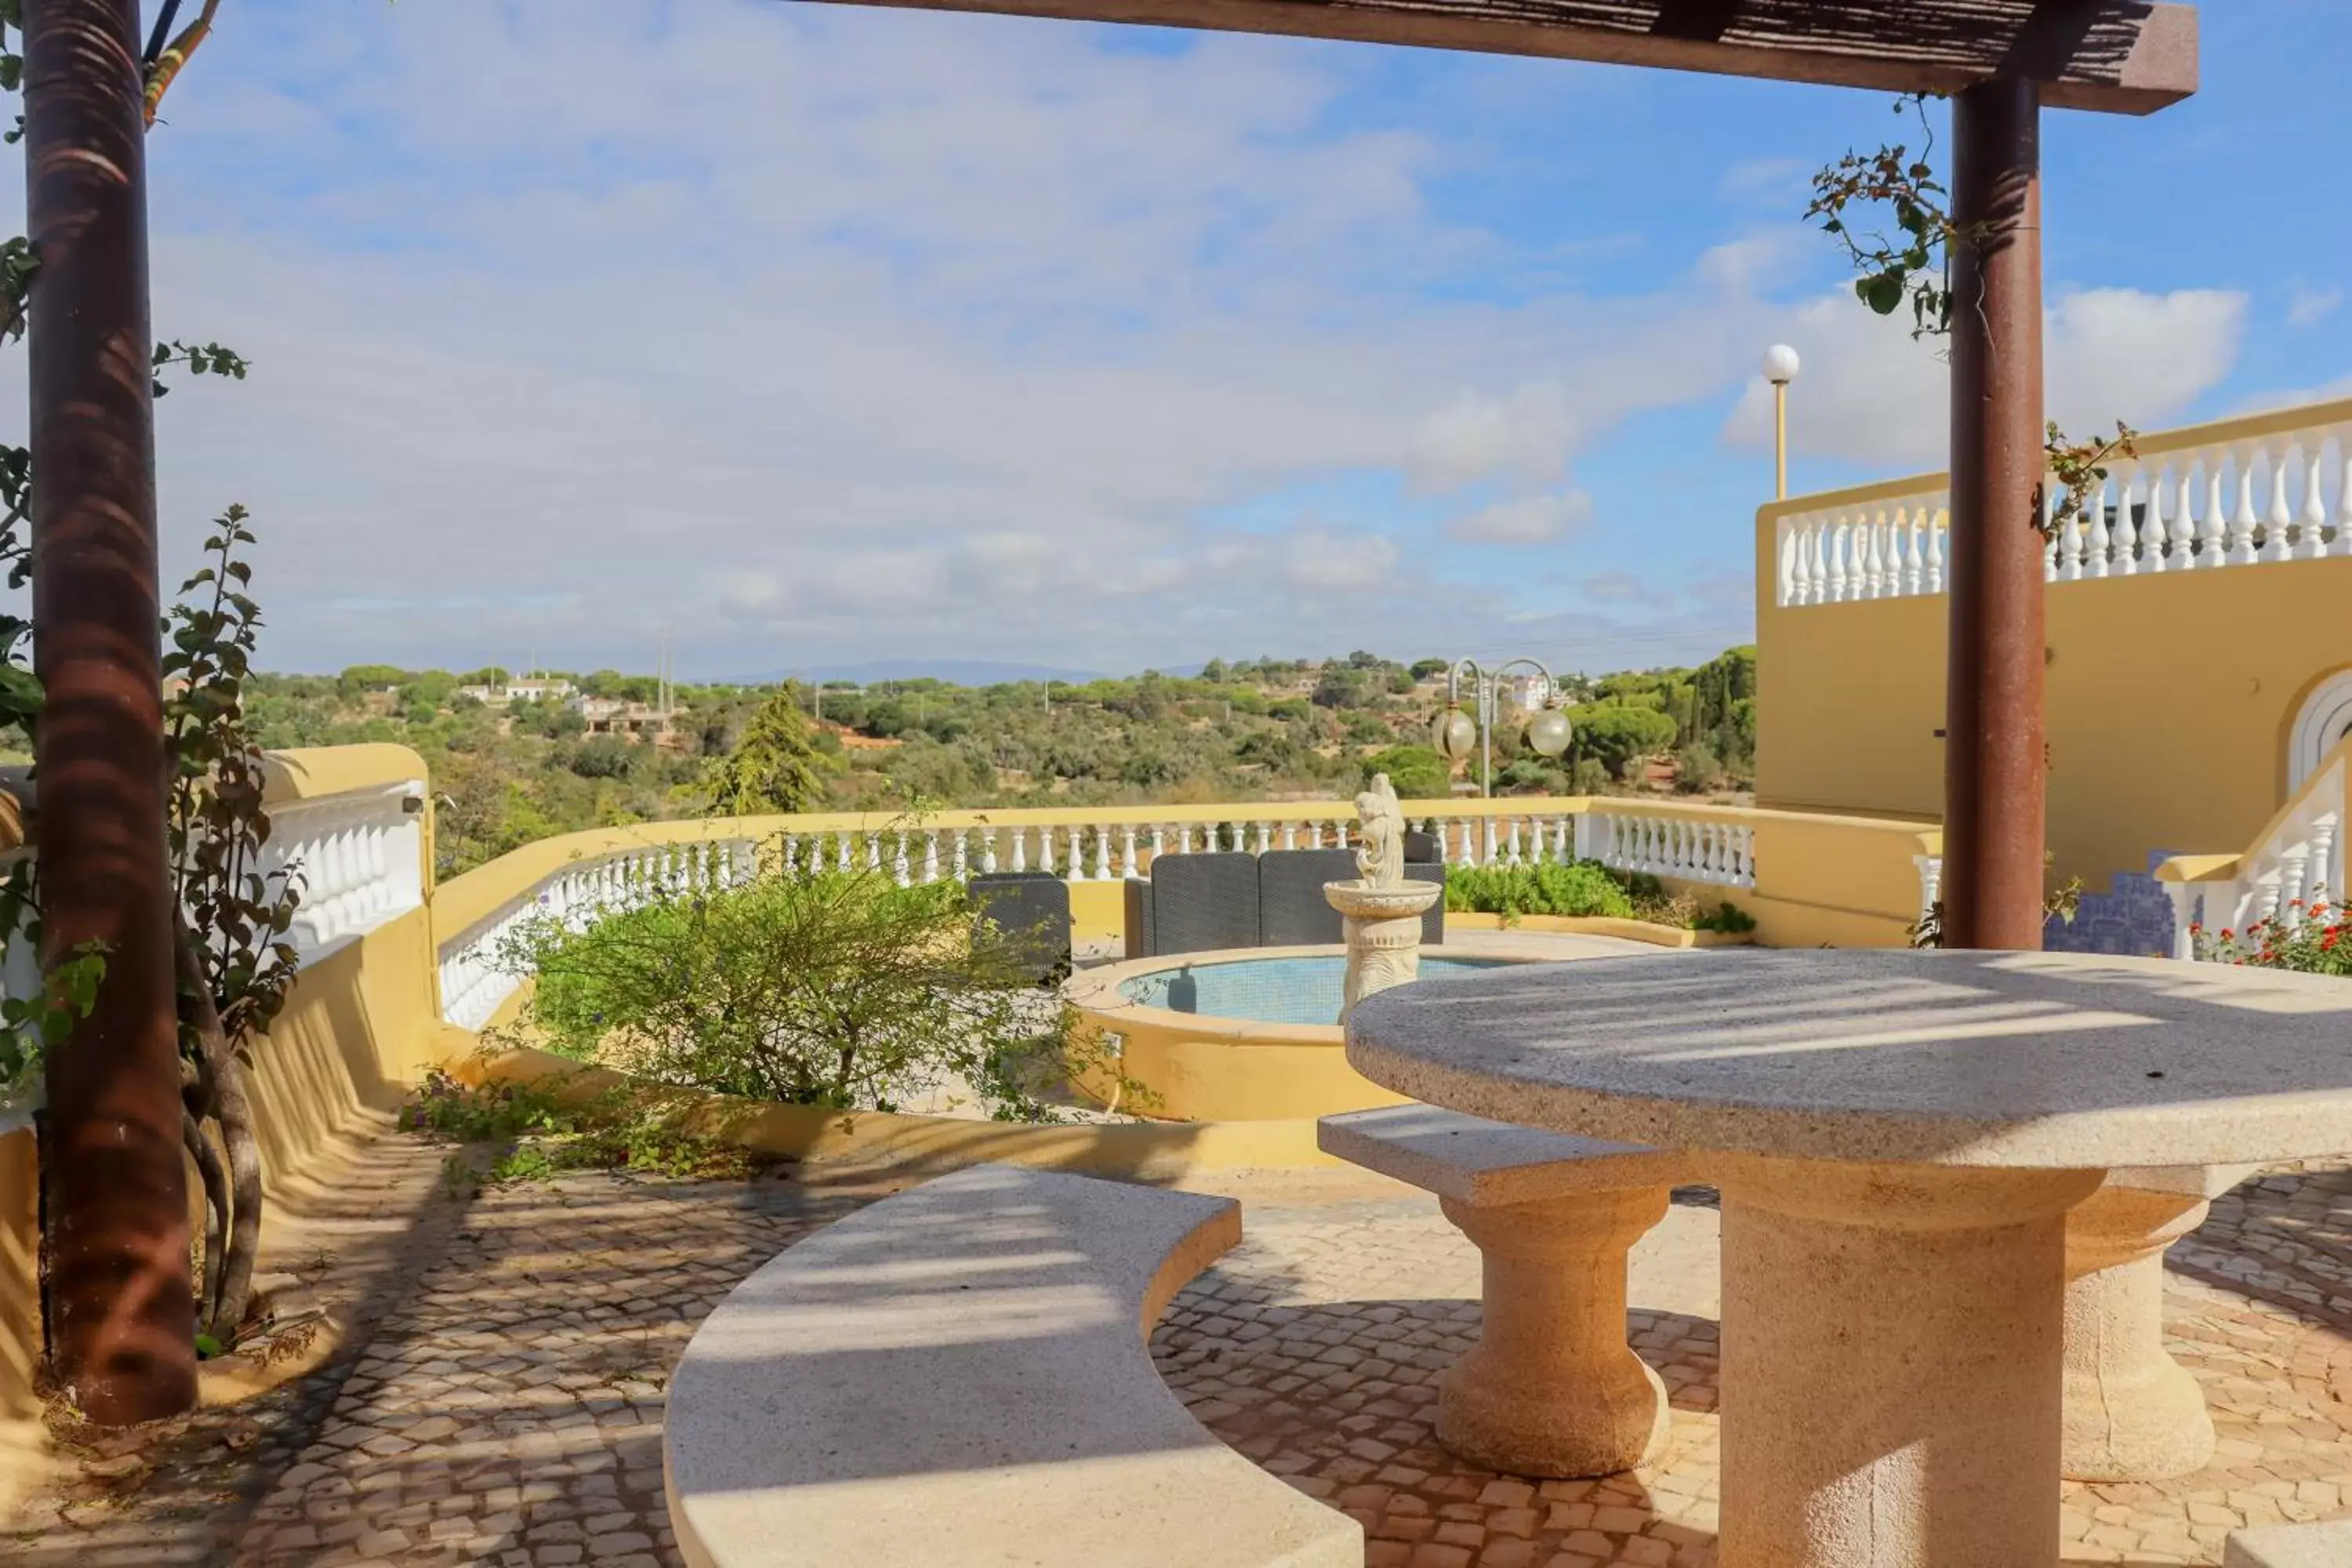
[(2126, 57)]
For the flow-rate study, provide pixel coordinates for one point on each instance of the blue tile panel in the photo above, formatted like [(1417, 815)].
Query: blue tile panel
[(2133, 918)]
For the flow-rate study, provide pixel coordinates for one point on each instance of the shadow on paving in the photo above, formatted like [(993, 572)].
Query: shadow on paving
[(515, 1396), (350, 1232)]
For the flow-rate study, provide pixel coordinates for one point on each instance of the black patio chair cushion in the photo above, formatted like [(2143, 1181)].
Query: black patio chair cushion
[(1203, 902), (1033, 910), (1140, 943), (1292, 910)]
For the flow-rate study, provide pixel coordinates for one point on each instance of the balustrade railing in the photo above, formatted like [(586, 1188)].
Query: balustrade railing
[(1711, 845), (2271, 489), (360, 855), (1695, 843), (477, 971), (2298, 858)]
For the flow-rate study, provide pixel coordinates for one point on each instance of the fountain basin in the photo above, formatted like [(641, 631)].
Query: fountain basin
[(1243, 1035)]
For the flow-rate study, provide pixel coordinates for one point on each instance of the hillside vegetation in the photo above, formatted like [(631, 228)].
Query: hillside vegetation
[(509, 772)]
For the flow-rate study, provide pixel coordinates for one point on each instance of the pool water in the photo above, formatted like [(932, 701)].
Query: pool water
[(1269, 990)]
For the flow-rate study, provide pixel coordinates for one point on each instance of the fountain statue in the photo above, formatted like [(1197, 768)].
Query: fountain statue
[(1380, 909)]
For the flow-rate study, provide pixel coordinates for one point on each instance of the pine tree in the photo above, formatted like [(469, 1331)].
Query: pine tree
[(775, 765)]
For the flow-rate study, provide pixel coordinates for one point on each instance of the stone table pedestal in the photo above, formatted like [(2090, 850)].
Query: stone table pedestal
[(2132, 1414), (1892, 1338), (1551, 1388)]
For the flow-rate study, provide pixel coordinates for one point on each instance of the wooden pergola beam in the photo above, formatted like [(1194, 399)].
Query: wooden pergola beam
[(2117, 57)]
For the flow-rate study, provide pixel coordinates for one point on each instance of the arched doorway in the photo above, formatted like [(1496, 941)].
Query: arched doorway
[(2324, 720)]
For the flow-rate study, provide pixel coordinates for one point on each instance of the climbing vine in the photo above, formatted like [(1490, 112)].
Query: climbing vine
[(1893, 216), (1857, 197)]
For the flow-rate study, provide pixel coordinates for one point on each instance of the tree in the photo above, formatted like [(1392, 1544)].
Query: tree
[(603, 757), (1614, 735), (774, 767), (1415, 772), (1423, 668)]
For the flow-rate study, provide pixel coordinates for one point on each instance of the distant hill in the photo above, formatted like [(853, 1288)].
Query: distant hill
[(957, 671)]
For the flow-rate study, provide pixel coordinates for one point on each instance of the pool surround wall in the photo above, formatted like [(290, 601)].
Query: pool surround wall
[(1205, 1068)]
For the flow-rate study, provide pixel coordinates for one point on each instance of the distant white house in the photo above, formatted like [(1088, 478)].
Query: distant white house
[(537, 689)]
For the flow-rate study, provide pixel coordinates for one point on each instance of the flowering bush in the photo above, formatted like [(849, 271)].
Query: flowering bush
[(2314, 944)]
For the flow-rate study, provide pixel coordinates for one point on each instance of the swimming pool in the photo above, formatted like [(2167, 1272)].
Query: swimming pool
[(1291, 990)]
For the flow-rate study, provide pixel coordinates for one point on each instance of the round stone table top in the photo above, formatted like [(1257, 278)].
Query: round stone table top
[(2036, 1061)]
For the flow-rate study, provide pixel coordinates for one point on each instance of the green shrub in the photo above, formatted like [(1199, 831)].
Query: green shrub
[(1584, 888), (839, 990)]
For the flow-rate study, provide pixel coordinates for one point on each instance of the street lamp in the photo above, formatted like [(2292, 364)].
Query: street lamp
[(1781, 367), (1455, 733)]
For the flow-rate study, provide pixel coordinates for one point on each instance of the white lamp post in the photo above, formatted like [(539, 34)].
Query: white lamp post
[(1456, 733), (1781, 367)]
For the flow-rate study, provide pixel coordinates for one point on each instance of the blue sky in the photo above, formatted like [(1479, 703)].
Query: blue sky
[(823, 334)]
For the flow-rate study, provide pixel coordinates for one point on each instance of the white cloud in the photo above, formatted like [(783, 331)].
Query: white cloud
[(2307, 306), (824, 334), (1526, 434), (1528, 519), (1870, 394)]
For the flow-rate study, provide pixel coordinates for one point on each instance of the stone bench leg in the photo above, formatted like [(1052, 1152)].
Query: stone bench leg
[(2132, 1414), (1551, 1388)]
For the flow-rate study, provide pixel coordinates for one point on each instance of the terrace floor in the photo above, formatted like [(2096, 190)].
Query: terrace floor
[(499, 1396)]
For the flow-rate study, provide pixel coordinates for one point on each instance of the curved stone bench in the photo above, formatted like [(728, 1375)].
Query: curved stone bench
[(1551, 1388), (2291, 1546), (957, 1377)]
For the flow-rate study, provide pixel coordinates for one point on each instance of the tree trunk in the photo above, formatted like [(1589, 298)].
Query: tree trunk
[(221, 1079), (217, 1205)]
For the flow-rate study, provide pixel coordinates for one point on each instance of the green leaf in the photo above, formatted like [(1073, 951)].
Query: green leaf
[(1883, 292)]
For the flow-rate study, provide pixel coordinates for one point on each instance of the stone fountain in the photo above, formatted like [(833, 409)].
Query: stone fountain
[(1383, 911)]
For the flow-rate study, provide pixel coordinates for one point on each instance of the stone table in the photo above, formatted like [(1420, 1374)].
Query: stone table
[(1898, 1137)]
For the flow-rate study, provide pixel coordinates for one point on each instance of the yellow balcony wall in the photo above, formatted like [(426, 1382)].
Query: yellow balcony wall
[(2172, 694)]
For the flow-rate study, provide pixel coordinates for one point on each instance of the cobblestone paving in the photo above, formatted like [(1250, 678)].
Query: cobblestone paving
[(1314, 1348), (502, 1402)]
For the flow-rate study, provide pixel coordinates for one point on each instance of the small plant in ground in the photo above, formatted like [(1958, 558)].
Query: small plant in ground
[(2314, 944), (552, 1126), (494, 1112), (1726, 917)]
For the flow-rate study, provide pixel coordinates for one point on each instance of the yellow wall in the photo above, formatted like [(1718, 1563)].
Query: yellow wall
[(359, 1025), (923, 1146), (2171, 695), (2171, 698), (20, 1463)]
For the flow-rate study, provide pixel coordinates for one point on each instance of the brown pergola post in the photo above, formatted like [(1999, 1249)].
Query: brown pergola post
[(122, 1309), (1993, 762)]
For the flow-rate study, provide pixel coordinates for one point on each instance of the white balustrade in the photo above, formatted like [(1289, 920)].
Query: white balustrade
[(479, 970), (2301, 861), (2192, 500), (1712, 850), (358, 857)]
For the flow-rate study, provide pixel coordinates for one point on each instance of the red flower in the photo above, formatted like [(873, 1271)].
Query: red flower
[(2226, 936), (2327, 944)]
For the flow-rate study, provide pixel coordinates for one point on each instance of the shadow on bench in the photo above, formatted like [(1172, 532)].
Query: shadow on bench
[(958, 1375)]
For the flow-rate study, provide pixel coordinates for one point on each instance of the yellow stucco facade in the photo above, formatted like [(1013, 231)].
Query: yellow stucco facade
[(2171, 699), (2172, 695)]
